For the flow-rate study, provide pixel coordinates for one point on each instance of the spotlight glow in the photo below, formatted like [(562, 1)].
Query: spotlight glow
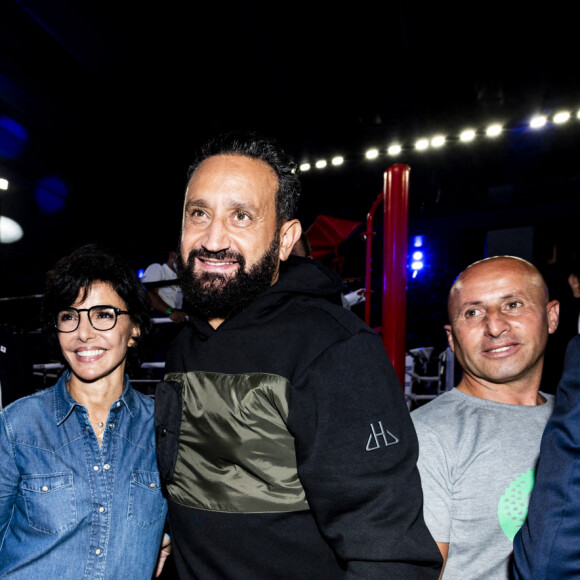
[(394, 149), (493, 130), (467, 135), (372, 154), (320, 164), (561, 117), (417, 256), (337, 160), (10, 231), (438, 141), (417, 265), (538, 121), (305, 167), (418, 241), (3, 184), (422, 144)]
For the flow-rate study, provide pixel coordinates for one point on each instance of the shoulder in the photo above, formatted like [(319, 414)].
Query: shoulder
[(438, 410), (152, 273), (323, 317), (140, 402)]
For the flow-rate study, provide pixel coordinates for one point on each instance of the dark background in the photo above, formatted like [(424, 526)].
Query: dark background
[(103, 105)]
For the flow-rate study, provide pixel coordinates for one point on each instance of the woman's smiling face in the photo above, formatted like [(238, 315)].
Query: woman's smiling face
[(98, 354)]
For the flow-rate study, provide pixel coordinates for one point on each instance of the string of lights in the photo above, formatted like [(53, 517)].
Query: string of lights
[(468, 135)]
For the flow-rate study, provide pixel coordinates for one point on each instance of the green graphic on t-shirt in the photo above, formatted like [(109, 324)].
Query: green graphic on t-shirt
[(513, 504)]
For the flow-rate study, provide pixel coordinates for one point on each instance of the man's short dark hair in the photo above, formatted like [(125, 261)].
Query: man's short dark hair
[(73, 276), (263, 149)]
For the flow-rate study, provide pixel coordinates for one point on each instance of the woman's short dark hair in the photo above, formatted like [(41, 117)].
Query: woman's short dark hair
[(73, 275), (267, 150)]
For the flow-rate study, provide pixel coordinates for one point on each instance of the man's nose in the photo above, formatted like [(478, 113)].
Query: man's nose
[(216, 236), (496, 323)]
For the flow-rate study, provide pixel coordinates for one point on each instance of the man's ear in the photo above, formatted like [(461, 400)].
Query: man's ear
[(447, 328), (553, 312), (290, 233)]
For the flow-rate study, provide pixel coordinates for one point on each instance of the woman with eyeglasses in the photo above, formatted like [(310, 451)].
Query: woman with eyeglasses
[(80, 495)]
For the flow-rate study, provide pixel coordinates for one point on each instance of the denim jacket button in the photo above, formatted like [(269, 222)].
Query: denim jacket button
[(101, 509), (107, 466), (96, 468)]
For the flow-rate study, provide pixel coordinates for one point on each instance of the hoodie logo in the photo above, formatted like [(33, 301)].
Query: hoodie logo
[(380, 438)]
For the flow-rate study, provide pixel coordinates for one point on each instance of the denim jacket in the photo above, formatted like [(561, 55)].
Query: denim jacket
[(72, 509)]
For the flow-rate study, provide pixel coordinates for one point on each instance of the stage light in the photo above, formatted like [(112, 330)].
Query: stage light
[(538, 121), (372, 154), (561, 117), (467, 135), (493, 130), (320, 164), (3, 184), (337, 160), (422, 144), (394, 150), (305, 167), (438, 141), (10, 231)]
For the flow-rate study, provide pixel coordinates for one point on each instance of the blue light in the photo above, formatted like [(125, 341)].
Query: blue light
[(13, 137), (140, 273), (417, 256), (417, 265), (51, 194), (417, 241)]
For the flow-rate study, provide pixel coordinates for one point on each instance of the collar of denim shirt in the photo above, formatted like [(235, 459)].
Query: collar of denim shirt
[(64, 402)]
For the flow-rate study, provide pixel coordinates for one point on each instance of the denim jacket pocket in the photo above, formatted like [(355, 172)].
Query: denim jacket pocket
[(146, 502), (50, 501)]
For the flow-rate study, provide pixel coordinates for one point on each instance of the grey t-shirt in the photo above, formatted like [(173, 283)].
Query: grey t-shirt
[(477, 460)]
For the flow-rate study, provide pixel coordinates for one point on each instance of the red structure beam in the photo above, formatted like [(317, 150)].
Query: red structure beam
[(395, 198)]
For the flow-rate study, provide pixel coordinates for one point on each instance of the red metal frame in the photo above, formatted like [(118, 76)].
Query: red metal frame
[(395, 198)]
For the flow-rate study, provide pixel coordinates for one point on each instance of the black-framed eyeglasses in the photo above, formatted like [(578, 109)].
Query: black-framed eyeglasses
[(101, 317)]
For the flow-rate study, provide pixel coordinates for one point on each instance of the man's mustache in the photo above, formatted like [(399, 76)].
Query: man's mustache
[(219, 255)]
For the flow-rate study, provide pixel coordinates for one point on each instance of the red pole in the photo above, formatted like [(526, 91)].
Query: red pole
[(396, 216), (369, 241)]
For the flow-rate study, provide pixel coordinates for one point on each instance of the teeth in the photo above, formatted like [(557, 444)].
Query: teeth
[(501, 349), (89, 353)]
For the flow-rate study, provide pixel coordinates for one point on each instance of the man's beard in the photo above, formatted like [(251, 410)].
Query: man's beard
[(213, 295)]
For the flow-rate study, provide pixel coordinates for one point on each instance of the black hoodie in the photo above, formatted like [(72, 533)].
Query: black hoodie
[(286, 445)]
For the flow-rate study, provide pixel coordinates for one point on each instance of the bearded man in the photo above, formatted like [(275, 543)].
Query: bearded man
[(283, 436)]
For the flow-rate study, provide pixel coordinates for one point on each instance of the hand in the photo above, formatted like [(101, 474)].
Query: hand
[(163, 553), (178, 316)]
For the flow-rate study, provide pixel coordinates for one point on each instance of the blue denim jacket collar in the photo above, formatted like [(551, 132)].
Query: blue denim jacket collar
[(64, 402)]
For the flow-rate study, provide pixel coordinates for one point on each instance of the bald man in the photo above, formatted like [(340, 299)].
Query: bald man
[(479, 443)]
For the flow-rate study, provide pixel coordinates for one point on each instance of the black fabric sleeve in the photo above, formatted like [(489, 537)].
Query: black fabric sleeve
[(357, 450)]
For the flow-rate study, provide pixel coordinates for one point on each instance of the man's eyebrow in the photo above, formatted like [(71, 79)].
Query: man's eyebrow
[(510, 296), (470, 303), (237, 204), (196, 203)]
